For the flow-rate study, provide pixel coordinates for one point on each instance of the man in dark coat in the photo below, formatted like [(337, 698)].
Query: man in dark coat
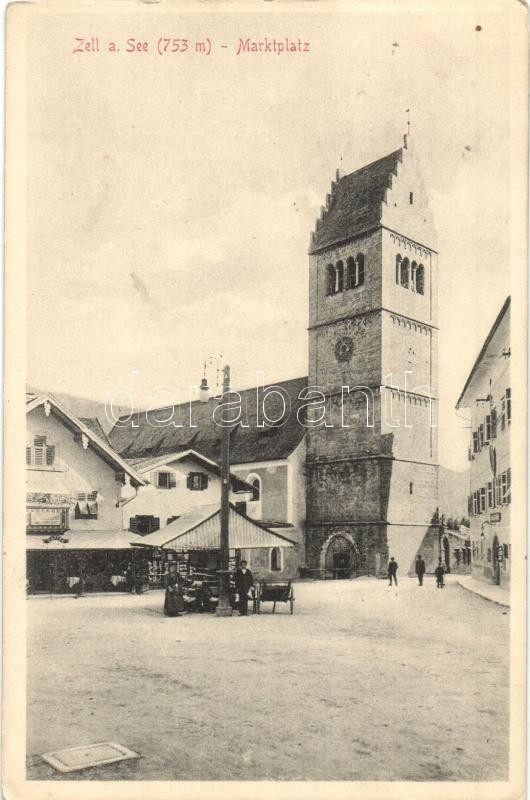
[(244, 581), (439, 572), (392, 570), (420, 569)]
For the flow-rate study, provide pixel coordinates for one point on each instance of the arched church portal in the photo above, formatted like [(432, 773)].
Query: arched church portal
[(340, 557)]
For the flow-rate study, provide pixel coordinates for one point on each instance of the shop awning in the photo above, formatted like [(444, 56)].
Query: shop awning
[(83, 540), (200, 529)]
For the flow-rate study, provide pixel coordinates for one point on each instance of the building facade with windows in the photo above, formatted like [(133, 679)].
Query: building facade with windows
[(177, 482), (77, 490), (487, 396)]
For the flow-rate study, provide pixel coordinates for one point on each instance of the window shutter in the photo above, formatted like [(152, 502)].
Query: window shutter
[(172, 480), (50, 456), (204, 481), (154, 479), (28, 455), (493, 423), (189, 481)]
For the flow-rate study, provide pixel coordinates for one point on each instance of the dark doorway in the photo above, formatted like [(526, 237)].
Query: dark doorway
[(341, 558)]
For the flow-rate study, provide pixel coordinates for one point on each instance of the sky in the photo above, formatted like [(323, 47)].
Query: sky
[(171, 197)]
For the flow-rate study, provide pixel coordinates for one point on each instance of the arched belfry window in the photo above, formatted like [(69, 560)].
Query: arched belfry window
[(413, 271), (420, 279), (360, 269), (355, 271), (398, 269), (340, 276), (331, 279), (404, 273), (352, 269)]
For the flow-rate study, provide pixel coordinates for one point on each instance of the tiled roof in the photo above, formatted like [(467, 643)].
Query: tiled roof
[(355, 203), (248, 442)]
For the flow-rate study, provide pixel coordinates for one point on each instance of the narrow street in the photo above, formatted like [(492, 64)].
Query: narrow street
[(361, 679)]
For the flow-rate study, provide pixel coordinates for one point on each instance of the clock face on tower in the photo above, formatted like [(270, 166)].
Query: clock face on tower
[(344, 348)]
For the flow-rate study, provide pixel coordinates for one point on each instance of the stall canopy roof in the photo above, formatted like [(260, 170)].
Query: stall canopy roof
[(84, 540), (199, 529)]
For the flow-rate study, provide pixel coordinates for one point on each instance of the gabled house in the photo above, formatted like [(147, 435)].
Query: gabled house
[(176, 483), (488, 396), (78, 488)]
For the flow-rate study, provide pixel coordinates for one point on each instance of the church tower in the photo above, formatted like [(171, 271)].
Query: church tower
[(372, 477)]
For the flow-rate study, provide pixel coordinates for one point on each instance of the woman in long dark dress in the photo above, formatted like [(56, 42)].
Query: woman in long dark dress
[(174, 602)]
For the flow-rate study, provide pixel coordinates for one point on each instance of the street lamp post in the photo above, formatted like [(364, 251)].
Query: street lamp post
[(224, 608)]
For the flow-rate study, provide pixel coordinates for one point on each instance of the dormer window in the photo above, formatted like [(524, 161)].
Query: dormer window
[(40, 454), (197, 481)]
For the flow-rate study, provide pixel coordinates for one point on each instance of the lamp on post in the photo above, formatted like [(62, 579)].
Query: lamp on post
[(224, 608)]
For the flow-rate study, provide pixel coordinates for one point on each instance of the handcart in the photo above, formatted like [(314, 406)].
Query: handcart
[(274, 592)]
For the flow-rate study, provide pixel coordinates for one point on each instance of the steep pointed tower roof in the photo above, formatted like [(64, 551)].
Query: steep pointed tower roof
[(354, 204)]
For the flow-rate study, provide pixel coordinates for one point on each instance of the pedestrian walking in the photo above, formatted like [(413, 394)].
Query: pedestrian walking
[(174, 602), (420, 569), (439, 572), (392, 571), (244, 581)]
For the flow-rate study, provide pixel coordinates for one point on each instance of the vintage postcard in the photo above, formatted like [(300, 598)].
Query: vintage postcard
[(266, 338)]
